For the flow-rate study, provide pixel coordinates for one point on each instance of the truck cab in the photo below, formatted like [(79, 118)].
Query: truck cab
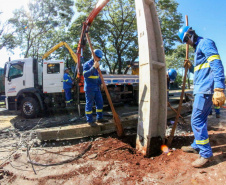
[(31, 86)]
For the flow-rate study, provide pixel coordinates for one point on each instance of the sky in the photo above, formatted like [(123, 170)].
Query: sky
[(206, 17)]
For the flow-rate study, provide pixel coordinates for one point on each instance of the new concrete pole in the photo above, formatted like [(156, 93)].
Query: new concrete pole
[(152, 80)]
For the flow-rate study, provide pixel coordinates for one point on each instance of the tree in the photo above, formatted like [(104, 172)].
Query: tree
[(113, 31), (35, 27), (170, 22), (7, 38)]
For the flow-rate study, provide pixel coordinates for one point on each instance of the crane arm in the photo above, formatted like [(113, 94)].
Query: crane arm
[(73, 55)]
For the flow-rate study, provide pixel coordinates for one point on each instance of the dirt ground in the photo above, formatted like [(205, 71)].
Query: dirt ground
[(108, 159)]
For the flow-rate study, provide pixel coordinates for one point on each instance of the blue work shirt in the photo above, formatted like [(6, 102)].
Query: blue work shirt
[(67, 82), (208, 68), (91, 76)]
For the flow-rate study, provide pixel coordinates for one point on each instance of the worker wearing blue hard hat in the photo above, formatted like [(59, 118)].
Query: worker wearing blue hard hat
[(67, 85), (92, 88), (171, 77), (208, 89)]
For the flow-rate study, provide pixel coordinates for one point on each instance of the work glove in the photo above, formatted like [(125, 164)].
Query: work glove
[(96, 65), (187, 63), (218, 97)]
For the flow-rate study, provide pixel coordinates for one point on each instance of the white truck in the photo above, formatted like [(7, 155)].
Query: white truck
[(32, 86)]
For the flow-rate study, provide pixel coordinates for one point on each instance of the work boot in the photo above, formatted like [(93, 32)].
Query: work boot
[(200, 162), (101, 121), (189, 149), (92, 124), (218, 116)]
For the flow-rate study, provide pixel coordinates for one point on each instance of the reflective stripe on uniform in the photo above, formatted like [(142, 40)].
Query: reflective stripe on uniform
[(93, 77), (99, 110), (90, 112), (202, 142), (67, 101), (215, 107), (206, 65), (201, 66), (213, 57)]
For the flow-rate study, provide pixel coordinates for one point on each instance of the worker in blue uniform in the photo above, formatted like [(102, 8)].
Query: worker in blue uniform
[(92, 88), (208, 88), (171, 77), (67, 85)]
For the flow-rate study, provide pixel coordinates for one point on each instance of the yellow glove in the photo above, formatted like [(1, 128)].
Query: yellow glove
[(218, 97), (96, 65), (187, 63)]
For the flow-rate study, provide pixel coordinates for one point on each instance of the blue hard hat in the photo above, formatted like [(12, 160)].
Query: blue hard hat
[(182, 32), (98, 53), (172, 74)]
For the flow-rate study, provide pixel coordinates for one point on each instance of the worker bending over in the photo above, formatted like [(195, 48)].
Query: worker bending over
[(208, 88), (67, 85), (92, 88)]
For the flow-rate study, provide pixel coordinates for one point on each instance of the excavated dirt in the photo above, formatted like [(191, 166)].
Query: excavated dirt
[(109, 160)]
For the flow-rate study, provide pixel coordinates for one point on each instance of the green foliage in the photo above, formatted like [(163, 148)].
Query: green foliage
[(170, 22), (39, 26), (7, 36), (176, 60), (113, 31)]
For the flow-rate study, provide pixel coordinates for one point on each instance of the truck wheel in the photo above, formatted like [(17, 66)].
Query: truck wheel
[(29, 107)]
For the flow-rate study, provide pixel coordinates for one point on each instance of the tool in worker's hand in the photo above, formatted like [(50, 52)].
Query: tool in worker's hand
[(117, 121), (182, 94)]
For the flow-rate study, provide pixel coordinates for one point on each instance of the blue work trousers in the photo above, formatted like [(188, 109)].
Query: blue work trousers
[(68, 96), (91, 97), (201, 109)]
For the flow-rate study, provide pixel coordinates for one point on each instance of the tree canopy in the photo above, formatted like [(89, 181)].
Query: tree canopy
[(7, 36), (170, 22), (114, 30), (36, 26)]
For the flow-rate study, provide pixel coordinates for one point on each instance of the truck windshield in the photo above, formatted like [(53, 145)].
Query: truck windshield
[(16, 70)]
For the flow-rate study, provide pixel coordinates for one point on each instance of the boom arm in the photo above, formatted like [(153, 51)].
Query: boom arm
[(74, 56)]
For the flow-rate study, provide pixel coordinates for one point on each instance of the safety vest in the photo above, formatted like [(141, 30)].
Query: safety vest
[(208, 68)]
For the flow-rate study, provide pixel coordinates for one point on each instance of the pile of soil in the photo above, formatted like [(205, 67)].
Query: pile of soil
[(112, 161)]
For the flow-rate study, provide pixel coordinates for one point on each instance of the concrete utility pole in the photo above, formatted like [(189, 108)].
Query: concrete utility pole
[(152, 80)]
